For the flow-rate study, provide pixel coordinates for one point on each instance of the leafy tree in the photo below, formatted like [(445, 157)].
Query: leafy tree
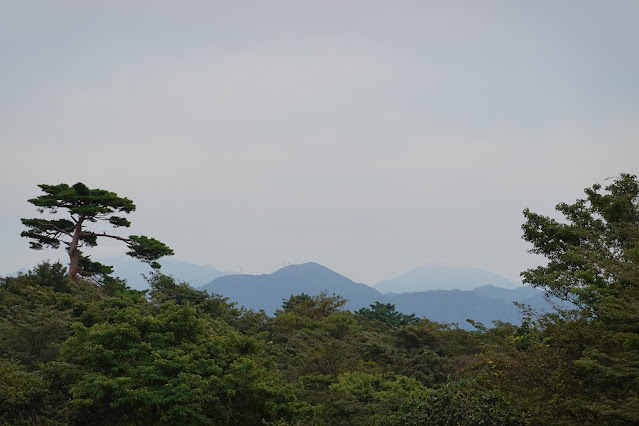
[(85, 206), (314, 336), (387, 314), (164, 288), (171, 368), (35, 314), (33, 330), (461, 403), (595, 252), (363, 398), (314, 307), (21, 395), (582, 366)]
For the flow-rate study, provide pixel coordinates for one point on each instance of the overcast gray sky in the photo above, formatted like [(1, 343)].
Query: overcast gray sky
[(372, 137)]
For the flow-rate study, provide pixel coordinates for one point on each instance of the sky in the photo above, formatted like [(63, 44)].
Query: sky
[(371, 137)]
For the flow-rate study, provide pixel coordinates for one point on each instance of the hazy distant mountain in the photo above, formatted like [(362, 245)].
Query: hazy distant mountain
[(455, 306), (484, 304), (267, 291), (519, 294), (132, 270), (443, 278)]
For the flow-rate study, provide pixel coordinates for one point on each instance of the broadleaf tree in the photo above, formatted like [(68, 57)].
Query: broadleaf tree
[(594, 252), (84, 207), (588, 358)]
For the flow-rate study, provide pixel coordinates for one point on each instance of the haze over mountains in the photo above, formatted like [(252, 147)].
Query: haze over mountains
[(133, 270), (440, 293), (436, 277), (486, 303), (433, 277), (267, 291)]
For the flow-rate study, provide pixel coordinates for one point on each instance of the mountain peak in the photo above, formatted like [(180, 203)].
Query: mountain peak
[(305, 268), (267, 291), (436, 277)]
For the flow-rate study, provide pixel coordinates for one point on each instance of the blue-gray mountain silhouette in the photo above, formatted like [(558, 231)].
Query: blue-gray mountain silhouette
[(435, 277), (132, 270), (484, 304), (267, 291)]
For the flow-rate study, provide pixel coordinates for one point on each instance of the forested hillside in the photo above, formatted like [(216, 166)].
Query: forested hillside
[(96, 352)]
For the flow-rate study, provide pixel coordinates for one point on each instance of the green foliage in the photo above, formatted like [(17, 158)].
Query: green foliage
[(147, 249), (89, 268), (364, 398), (386, 313), (22, 395), (73, 353), (80, 200), (312, 307), (596, 251), (461, 403), (85, 206), (164, 288), (582, 366), (33, 331), (46, 274), (34, 317), (170, 368)]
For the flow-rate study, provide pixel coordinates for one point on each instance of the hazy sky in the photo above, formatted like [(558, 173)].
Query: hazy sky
[(372, 137)]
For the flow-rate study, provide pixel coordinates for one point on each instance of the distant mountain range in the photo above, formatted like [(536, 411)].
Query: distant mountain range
[(267, 291), (443, 278), (485, 303), (443, 294), (132, 270)]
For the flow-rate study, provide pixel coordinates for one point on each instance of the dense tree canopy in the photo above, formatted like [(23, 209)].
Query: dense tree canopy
[(84, 206), (593, 260), (595, 251), (72, 353), (386, 313)]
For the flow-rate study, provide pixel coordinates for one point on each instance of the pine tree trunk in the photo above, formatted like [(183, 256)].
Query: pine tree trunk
[(74, 253)]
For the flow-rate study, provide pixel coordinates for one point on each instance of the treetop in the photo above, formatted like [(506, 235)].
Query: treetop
[(82, 201)]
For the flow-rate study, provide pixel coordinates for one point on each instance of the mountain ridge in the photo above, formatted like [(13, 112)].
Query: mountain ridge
[(132, 270), (266, 291), (438, 277), (484, 304)]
